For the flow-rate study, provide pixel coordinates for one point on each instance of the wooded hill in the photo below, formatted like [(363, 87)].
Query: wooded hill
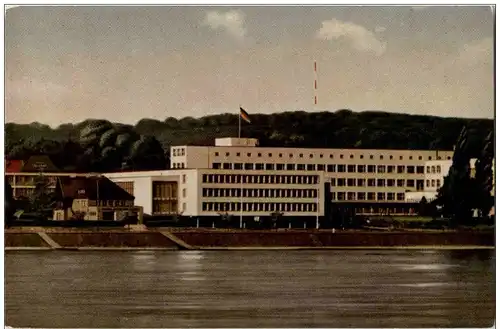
[(102, 145)]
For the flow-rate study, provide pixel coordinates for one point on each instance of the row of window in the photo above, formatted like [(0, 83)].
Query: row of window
[(372, 182), (260, 193), (178, 165), (260, 179), (179, 152), (321, 156), (368, 196), (340, 168), (259, 207)]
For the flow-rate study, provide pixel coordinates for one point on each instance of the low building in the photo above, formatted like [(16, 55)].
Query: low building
[(93, 198), (209, 192)]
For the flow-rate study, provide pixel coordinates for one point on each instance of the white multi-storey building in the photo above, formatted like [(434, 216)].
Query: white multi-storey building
[(212, 192), (359, 176)]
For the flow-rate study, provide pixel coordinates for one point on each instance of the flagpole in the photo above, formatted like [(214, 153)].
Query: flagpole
[(241, 176)]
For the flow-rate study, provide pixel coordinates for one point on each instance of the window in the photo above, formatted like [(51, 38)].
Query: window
[(331, 156), (248, 166), (184, 192), (371, 182), (410, 169), (361, 182), (401, 169), (430, 158), (390, 169), (259, 166), (341, 168), (183, 179), (410, 183), (341, 196), (401, 182), (280, 166), (391, 196), (361, 156), (410, 157), (433, 169), (227, 154), (381, 169), (428, 169), (301, 166), (301, 155), (381, 157), (333, 182), (351, 196), (249, 154), (381, 182), (391, 182), (341, 156), (391, 157), (290, 166), (438, 169), (361, 195), (420, 169), (226, 165), (361, 168), (238, 154), (280, 155), (380, 196), (311, 167), (438, 183), (351, 156), (340, 181), (420, 157), (448, 158), (216, 165), (433, 183), (205, 178), (371, 195), (311, 156), (216, 154), (371, 157), (371, 168), (321, 167), (291, 155), (400, 196), (351, 182), (238, 166), (400, 157), (330, 168), (351, 168), (269, 166), (270, 155), (259, 154), (428, 183)]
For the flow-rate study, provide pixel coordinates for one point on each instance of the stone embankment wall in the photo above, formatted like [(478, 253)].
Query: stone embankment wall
[(209, 239)]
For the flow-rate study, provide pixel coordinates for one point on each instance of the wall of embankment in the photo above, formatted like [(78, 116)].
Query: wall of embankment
[(17, 239)]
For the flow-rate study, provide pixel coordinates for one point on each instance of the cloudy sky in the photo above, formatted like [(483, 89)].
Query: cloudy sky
[(66, 64)]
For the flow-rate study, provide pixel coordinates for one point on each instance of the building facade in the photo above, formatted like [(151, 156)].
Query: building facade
[(213, 192), (364, 176)]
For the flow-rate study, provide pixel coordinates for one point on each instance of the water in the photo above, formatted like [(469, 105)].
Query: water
[(250, 289)]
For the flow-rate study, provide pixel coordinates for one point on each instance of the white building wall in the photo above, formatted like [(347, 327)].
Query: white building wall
[(143, 188), (191, 185)]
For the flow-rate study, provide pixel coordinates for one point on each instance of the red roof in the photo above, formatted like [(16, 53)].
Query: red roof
[(13, 166)]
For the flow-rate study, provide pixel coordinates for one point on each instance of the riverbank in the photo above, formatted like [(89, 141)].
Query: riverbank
[(142, 238)]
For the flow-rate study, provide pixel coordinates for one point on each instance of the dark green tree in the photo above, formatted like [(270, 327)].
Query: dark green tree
[(484, 201), (455, 196), (9, 204)]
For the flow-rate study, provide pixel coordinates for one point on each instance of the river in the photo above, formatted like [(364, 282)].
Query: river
[(250, 289)]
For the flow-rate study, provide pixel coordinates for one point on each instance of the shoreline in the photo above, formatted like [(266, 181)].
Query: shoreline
[(165, 239)]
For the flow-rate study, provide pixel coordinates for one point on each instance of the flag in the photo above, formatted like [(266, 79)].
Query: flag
[(244, 115)]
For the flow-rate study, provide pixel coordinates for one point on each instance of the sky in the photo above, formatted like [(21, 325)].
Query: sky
[(68, 64)]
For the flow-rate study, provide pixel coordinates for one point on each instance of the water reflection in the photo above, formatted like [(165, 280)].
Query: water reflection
[(250, 289)]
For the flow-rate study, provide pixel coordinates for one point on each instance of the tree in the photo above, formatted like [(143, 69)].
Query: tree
[(455, 196), (42, 200), (9, 206), (483, 180)]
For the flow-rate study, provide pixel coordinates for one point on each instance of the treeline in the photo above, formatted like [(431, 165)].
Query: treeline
[(99, 145)]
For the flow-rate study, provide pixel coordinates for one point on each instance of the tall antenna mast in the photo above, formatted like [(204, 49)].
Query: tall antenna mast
[(315, 84)]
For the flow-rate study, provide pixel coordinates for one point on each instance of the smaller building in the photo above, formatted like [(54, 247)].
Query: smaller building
[(94, 198)]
